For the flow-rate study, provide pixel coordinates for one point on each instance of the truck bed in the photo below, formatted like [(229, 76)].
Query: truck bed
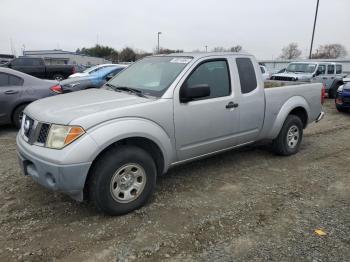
[(276, 83), (278, 96)]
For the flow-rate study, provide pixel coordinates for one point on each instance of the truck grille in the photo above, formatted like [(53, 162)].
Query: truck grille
[(28, 126), (34, 132), (44, 132)]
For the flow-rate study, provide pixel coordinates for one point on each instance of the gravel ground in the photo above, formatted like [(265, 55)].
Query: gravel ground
[(243, 205)]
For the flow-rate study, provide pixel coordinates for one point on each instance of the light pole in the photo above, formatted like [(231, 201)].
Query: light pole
[(159, 33), (313, 31), (206, 48)]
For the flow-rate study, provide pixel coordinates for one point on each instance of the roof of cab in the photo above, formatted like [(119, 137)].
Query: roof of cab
[(206, 54)]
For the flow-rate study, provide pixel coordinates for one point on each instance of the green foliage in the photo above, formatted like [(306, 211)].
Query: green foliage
[(97, 51)]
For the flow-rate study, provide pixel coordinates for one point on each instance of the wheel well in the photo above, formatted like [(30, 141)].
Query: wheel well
[(301, 113), (17, 106), (146, 144)]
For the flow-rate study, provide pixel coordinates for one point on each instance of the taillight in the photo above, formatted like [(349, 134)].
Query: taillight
[(56, 89), (323, 93)]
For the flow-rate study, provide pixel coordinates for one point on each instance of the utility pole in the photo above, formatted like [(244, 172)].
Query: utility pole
[(206, 48), (313, 31), (159, 33)]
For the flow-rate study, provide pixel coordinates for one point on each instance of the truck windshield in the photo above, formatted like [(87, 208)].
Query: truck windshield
[(151, 75), (301, 68)]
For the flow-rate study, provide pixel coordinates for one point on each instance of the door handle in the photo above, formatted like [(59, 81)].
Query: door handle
[(11, 92), (231, 105)]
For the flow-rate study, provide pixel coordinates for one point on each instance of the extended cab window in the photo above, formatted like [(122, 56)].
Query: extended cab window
[(339, 69), (246, 73), (330, 69), (215, 74)]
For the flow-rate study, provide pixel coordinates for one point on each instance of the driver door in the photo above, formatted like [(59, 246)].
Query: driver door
[(210, 123)]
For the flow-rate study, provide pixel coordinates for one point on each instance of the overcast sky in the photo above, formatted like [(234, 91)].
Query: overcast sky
[(262, 27)]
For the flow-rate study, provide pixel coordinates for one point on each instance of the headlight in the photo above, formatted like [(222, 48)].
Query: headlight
[(59, 136)]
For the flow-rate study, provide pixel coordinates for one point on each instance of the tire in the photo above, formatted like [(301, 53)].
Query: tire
[(285, 143), (112, 172), (58, 77), (17, 116), (341, 110), (332, 93)]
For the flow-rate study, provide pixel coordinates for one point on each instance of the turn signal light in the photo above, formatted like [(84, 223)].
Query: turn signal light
[(56, 89)]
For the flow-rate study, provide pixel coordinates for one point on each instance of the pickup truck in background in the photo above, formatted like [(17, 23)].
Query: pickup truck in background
[(36, 66), (109, 145), (328, 73)]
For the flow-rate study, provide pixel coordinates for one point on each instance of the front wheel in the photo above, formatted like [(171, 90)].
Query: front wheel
[(289, 139), (122, 180), (18, 115)]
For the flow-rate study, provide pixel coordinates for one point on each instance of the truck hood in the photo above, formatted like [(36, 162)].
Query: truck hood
[(63, 109), (300, 76)]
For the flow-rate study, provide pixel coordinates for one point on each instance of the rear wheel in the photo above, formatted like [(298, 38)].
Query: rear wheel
[(332, 93), (122, 180), (58, 77), (288, 140), (18, 115)]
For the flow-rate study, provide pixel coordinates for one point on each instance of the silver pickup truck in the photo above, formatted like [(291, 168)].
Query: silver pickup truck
[(110, 144)]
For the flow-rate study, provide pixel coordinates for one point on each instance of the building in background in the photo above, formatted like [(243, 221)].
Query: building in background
[(58, 56)]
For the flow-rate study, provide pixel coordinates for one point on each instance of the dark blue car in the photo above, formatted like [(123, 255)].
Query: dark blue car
[(94, 80), (342, 100)]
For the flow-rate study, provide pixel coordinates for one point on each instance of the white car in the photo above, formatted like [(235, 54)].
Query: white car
[(93, 69), (265, 74)]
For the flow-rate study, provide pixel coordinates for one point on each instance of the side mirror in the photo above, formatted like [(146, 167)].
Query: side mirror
[(197, 91), (9, 65), (318, 73)]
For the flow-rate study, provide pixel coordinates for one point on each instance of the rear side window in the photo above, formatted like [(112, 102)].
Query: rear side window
[(4, 79), (339, 69), (330, 69), (10, 80), (15, 81), (246, 75)]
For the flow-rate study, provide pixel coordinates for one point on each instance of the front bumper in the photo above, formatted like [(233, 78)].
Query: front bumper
[(69, 179)]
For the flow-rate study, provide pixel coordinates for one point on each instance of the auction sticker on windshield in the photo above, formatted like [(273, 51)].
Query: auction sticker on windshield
[(180, 60)]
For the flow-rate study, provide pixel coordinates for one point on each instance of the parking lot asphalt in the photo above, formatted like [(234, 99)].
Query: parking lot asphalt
[(242, 205)]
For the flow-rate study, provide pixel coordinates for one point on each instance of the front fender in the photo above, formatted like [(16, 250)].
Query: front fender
[(113, 131), (288, 106)]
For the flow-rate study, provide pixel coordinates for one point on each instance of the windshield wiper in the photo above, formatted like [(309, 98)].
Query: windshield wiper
[(126, 88)]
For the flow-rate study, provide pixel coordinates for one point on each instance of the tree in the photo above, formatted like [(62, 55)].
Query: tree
[(290, 51), (114, 57), (127, 55), (330, 51), (236, 48), (97, 51)]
